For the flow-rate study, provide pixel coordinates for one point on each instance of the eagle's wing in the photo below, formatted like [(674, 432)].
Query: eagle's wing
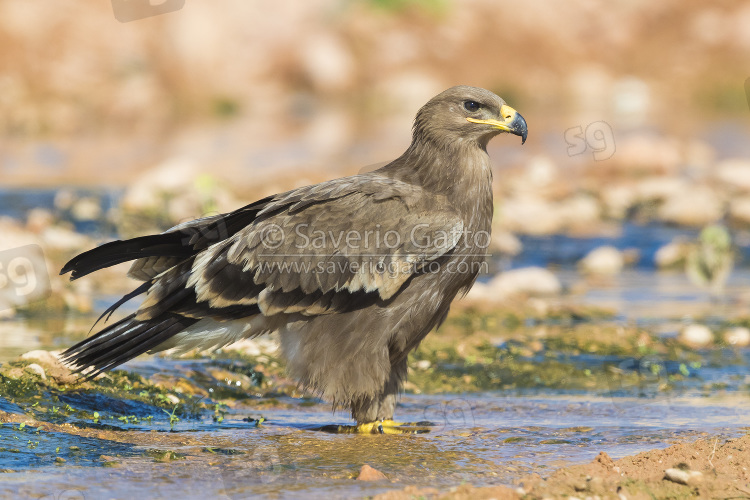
[(317, 250)]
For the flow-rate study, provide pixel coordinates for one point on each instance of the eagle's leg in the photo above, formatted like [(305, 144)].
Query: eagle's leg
[(374, 415)]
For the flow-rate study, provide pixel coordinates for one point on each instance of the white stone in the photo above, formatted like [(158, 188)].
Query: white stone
[(532, 281), (618, 199), (60, 238), (86, 209), (603, 260), (647, 152), (739, 209), (738, 336), (327, 62), (673, 254), (696, 206), (683, 476), (37, 219), (579, 210), (660, 188), (36, 369), (423, 364), (12, 235), (696, 335), (530, 215), (735, 173), (506, 242)]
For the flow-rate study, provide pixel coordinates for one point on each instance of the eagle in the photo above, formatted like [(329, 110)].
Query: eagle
[(352, 273)]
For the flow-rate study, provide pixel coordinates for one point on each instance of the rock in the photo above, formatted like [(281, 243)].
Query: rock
[(532, 281), (86, 209), (738, 336), (696, 336), (327, 62), (13, 235), (672, 255), (696, 206), (660, 188), (530, 214), (179, 187), (506, 242), (64, 199), (739, 209), (603, 260), (735, 173), (540, 173), (367, 473), (579, 210), (63, 239), (46, 357), (36, 369), (618, 199), (683, 476), (423, 364), (648, 153), (52, 366), (38, 219)]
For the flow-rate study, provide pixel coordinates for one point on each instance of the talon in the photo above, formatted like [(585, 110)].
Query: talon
[(378, 427)]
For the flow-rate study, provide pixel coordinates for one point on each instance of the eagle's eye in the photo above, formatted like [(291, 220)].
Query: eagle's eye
[(472, 106)]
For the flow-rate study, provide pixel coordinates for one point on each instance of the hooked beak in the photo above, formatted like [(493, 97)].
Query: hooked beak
[(513, 122)]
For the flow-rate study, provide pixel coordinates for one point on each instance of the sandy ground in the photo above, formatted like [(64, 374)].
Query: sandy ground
[(713, 468)]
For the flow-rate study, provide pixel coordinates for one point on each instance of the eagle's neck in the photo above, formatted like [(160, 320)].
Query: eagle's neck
[(458, 170)]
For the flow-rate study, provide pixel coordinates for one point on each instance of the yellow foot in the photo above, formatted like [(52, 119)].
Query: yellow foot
[(379, 427)]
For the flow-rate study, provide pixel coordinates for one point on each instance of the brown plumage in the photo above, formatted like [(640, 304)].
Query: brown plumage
[(352, 273)]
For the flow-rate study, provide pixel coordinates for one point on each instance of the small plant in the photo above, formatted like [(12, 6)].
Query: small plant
[(219, 413), (173, 419), (96, 417)]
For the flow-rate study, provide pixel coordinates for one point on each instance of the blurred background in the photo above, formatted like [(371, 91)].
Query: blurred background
[(615, 311), (637, 113)]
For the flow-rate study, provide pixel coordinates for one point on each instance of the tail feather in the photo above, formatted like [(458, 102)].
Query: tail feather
[(181, 241), (122, 341), (119, 251)]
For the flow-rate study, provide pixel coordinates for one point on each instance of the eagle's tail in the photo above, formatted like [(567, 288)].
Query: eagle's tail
[(123, 341)]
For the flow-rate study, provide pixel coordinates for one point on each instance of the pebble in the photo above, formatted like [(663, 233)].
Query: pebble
[(738, 336), (531, 281), (423, 364), (683, 476), (696, 335), (37, 369), (695, 206), (367, 473), (671, 255), (603, 260)]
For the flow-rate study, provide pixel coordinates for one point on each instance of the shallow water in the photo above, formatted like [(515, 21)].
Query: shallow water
[(483, 438)]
